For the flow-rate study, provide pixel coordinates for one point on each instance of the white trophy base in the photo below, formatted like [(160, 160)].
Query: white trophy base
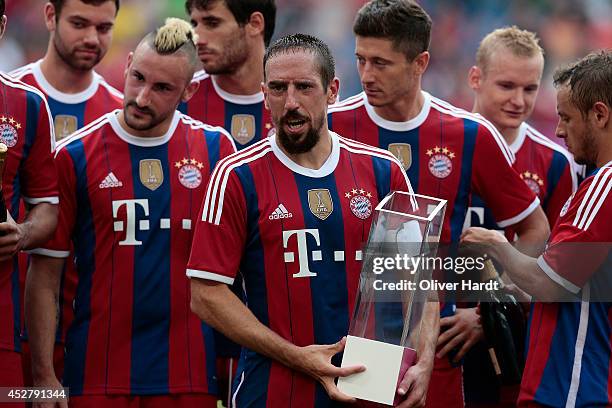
[(384, 363)]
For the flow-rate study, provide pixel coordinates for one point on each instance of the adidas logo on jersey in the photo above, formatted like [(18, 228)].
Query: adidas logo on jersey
[(110, 181), (280, 213)]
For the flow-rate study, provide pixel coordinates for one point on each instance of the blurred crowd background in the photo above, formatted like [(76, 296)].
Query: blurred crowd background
[(567, 28)]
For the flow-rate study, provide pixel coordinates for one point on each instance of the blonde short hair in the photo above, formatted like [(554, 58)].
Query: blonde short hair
[(521, 43)]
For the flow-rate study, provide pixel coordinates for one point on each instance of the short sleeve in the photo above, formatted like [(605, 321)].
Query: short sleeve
[(219, 236), (582, 238), (495, 180)]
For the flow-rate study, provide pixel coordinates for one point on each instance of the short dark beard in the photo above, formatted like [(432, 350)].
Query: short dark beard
[(126, 117), (303, 146), (67, 57)]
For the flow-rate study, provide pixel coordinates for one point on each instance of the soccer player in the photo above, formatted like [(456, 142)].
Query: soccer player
[(569, 343), (281, 212), (232, 39), (506, 80), (80, 35), (131, 186), (29, 173), (447, 152)]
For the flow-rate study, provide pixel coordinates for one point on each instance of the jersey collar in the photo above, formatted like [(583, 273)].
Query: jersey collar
[(400, 126), (520, 139), (142, 141), (63, 97), (328, 167), (237, 99)]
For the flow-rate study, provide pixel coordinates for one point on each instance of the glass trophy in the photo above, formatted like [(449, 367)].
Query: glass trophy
[(386, 322)]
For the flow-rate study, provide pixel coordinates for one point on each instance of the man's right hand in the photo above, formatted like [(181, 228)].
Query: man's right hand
[(50, 384), (315, 361)]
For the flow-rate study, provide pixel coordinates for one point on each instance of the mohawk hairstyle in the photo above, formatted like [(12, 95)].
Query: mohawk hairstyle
[(175, 34)]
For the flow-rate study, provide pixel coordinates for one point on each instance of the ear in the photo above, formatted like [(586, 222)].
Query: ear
[(256, 25), (130, 58), (190, 90), (474, 78), (264, 90), (600, 115), (421, 61), (332, 91), (2, 25), (50, 16)]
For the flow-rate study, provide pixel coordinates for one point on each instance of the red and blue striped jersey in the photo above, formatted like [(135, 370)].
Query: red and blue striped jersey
[(244, 116), (128, 204), (70, 112), (569, 351), (296, 236), (546, 168), (447, 153), (29, 174)]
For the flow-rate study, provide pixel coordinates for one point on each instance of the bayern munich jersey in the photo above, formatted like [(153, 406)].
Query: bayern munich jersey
[(244, 116), (296, 236), (544, 166), (447, 153), (128, 205), (70, 112), (569, 354), (29, 174)]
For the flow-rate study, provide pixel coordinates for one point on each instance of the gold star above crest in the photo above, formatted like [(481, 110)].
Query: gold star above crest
[(185, 161), (535, 176), (200, 166), (445, 150), (527, 174), (177, 164), (361, 191), (268, 126), (369, 195), (437, 149), (451, 155), (3, 119), (193, 161), (429, 152), (11, 121), (348, 195), (18, 126), (540, 182), (354, 191)]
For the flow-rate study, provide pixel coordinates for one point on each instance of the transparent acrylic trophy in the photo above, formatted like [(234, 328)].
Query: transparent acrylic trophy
[(386, 322)]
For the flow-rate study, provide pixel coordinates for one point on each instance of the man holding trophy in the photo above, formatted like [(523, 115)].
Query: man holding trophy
[(292, 213)]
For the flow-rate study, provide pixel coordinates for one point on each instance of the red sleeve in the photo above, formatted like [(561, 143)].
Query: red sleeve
[(59, 245), (39, 174), (499, 185), (566, 186), (220, 233), (582, 238)]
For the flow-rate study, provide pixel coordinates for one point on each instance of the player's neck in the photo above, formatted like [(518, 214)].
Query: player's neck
[(509, 134), (316, 157), (403, 109), (63, 77), (158, 131), (247, 79)]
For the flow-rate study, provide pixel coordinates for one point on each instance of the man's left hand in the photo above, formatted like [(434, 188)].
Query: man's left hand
[(462, 330), (414, 385)]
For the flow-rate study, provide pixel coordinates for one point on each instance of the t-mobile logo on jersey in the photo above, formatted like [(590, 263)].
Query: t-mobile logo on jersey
[(132, 209), (303, 253)]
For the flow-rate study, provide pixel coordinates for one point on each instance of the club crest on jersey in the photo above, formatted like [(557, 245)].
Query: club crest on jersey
[(320, 203), (534, 181), (360, 203), (566, 206), (403, 153), (65, 125), (243, 128), (440, 161), (151, 173), (189, 173), (8, 130)]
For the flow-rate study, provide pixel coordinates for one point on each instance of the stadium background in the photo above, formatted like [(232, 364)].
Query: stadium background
[(568, 29)]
